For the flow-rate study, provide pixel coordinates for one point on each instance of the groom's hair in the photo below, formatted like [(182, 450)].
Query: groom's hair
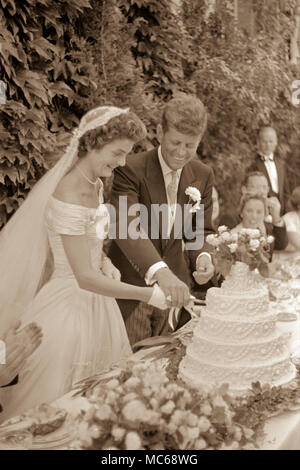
[(186, 114)]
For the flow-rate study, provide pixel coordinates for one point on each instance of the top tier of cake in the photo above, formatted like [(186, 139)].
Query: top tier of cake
[(240, 296), (238, 305)]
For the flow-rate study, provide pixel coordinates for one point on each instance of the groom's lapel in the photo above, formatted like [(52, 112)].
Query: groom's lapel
[(187, 178), (155, 184)]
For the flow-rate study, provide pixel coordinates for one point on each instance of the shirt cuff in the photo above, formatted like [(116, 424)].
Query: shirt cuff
[(204, 253), (152, 270), (280, 223)]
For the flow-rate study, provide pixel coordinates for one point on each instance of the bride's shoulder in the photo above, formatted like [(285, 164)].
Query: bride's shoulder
[(67, 190)]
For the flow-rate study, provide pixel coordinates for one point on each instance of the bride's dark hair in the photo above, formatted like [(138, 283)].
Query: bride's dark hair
[(125, 126)]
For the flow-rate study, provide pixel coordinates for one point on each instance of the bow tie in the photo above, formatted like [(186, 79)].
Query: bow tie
[(270, 158)]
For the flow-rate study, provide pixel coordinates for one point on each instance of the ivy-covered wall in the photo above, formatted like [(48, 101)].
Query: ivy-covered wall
[(59, 59)]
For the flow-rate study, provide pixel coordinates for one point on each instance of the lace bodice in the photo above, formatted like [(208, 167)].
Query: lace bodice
[(63, 218)]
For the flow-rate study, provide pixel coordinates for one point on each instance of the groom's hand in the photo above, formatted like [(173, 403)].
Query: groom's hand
[(172, 287)]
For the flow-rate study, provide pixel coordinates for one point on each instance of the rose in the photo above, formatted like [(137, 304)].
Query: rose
[(254, 244), (222, 229), (270, 239), (225, 236), (212, 240), (104, 412), (117, 433), (203, 424), (254, 233), (133, 441), (113, 383), (168, 407), (132, 383), (232, 247), (200, 444), (206, 409), (135, 410)]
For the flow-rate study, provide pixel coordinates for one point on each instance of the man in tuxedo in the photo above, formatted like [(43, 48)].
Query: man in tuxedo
[(268, 162), (161, 176)]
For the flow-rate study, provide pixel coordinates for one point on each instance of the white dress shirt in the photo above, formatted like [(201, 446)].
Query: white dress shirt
[(272, 171), (167, 174)]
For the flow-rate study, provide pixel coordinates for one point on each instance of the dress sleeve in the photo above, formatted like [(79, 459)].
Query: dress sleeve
[(65, 218)]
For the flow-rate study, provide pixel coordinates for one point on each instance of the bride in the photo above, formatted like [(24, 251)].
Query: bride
[(64, 218)]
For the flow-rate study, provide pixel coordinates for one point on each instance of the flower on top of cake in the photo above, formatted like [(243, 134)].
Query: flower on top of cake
[(248, 246)]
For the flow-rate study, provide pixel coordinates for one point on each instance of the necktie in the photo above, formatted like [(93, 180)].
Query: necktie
[(172, 189), (172, 195)]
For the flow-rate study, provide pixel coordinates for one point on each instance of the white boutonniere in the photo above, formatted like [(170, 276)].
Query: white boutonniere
[(268, 219), (195, 196)]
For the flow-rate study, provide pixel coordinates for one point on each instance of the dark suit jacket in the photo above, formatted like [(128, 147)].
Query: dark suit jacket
[(141, 180), (283, 185)]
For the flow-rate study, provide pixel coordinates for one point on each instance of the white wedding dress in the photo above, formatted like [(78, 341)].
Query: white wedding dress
[(83, 332)]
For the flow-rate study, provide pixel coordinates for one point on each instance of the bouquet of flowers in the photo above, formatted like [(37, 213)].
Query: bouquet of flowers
[(141, 409), (247, 246)]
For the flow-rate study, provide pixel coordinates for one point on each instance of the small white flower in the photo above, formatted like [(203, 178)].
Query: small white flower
[(203, 424), (178, 417), (112, 384), (254, 244), (222, 229), (135, 410), (104, 412), (206, 409), (132, 383), (232, 247), (193, 193), (95, 431), (192, 419), (133, 441), (117, 433), (253, 232), (168, 407), (212, 240), (192, 433), (200, 444), (225, 236), (270, 239)]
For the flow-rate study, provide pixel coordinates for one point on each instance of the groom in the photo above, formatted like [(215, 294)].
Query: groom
[(161, 176)]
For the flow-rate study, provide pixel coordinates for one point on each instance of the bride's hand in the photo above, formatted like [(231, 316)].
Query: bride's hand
[(158, 298), (110, 270)]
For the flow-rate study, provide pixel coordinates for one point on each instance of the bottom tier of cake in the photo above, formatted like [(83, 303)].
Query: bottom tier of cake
[(239, 378)]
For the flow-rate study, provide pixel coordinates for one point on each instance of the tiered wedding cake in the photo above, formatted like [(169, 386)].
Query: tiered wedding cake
[(236, 340)]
